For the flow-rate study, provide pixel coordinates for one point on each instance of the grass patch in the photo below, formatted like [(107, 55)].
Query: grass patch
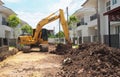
[(74, 46)]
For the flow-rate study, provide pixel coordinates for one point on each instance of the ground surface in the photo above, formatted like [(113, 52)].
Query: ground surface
[(88, 60), (34, 64)]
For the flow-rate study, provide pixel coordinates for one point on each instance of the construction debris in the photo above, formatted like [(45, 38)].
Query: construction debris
[(67, 61), (91, 60)]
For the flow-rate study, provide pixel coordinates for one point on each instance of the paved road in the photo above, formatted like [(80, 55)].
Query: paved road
[(34, 64)]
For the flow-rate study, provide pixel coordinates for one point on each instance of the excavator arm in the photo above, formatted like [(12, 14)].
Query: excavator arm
[(52, 18)]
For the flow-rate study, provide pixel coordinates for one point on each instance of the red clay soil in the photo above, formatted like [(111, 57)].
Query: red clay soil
[(91, 60)]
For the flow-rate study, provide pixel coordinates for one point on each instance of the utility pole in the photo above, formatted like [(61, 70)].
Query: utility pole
[(98, 21), (67, 13)]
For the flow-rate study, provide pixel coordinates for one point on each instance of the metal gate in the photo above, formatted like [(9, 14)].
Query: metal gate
[(115, 40)]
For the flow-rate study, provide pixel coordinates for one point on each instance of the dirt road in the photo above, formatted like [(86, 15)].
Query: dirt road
[(34, 64)]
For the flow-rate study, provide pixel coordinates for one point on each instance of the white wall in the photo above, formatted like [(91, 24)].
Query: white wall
[(92, 31), (115, 5), (84, 30)]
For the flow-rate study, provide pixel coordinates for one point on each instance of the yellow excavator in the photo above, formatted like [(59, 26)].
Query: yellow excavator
[(40, 36)]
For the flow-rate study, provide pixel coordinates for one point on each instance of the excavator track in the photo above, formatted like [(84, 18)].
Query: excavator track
[(26, 49), (43, 48)]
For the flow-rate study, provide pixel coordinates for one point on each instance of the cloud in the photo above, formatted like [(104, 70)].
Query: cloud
[(11, 1), (62, 4), (33, 19), (72, 5)]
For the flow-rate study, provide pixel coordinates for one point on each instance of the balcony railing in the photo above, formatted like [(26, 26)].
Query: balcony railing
[(81, 23)]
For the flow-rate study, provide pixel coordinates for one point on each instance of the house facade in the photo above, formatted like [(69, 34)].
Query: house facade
[(6, 32), (87, 27), (92, 20)]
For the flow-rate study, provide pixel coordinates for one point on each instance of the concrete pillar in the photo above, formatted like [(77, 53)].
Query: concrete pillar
[(119, 40), (64, 41), (1, 41), (91, 38), (82, 39), (78, 40)]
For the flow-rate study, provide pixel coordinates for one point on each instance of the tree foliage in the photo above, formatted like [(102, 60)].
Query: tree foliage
[(51, 36), (26, 29), (72, 19), (13, 20), (60, 34)]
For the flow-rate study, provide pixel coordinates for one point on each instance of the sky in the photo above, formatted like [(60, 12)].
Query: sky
[(32, 11)]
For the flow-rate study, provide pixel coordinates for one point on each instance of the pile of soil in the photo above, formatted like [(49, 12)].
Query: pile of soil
[(4, 55), (61, 49), (91, 60)]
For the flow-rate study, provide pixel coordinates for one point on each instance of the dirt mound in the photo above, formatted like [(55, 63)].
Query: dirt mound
[(61, 49), (4, 55), (92, 60)]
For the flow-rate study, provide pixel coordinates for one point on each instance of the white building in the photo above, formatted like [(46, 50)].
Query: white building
[(6, 32), (88, 27)]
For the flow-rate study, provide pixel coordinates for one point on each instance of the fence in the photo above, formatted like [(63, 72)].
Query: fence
[(115, 40), (12, 42), (87, 39)]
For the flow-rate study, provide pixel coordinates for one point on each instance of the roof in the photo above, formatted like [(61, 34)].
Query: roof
[(1, 2), (6, 10), (113, 11), (84, 2)]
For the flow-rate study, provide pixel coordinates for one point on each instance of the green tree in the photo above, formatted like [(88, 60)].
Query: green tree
[(60, 34), (72, 23), (26, 29), (51, 36), (72, 20), (13, 22)]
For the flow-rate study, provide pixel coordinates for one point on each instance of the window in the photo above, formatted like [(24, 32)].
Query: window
[(78, 24), (93, 17), (114, 2), (117, 29), (108, 3), (108, 7), (4, 22)]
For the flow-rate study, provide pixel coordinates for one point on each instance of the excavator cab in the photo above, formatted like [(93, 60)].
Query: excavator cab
[(44, 35)]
